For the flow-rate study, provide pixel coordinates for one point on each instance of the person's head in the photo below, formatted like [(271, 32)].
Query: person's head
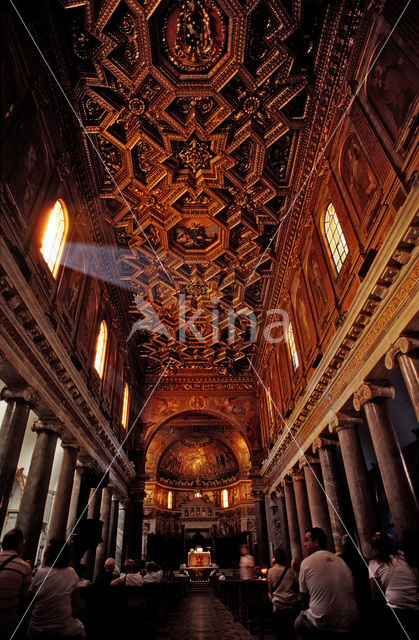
[(153, 567), (383, 547), (130, 566), (13, 540), (315, 539), (244, 549), (109, 565), (57, 554), (280, 557)]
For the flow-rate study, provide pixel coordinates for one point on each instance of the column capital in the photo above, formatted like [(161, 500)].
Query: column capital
[(403, 345), (19, 392), (257, 495), (48, 424), (343, 421), (273, 499), (370, 391), (68, 442), (296, 475), (279, 490), (307, 460), (321, 443)]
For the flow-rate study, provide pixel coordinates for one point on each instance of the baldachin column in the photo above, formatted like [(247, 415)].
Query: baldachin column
[(397, 484), (105, 509), (19, 400), (113, 526), (332, 487), (362, 499)]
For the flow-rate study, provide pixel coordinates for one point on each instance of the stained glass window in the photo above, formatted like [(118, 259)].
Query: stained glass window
[(292, 347), (124, 418), (54, 237), (224, 498), (101, 348), (335, 237)]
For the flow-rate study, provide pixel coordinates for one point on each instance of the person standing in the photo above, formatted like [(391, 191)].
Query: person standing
[(15, 581), (247, 564), (327, 585)]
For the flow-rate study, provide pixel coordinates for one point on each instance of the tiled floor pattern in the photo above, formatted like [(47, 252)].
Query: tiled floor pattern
[(200, 616)]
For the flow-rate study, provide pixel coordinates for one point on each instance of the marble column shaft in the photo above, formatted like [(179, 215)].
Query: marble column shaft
[(301, 503), (332, 487), (61, 505), (113, 528), (282, 512), (293, 529), (397, 484), (19, 402), (317, 500), (93, 510), (32, 506), (105, 511), (404, 353), (74, 501), (261, 529), (362, 498)]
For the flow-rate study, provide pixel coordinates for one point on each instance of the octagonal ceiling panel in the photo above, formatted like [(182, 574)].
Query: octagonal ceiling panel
[(199, 111)]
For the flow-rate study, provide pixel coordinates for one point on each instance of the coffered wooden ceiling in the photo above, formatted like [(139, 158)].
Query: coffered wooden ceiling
[(208, 117)]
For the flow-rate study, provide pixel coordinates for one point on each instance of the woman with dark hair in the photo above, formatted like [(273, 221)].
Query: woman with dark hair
[(383, 557), (402, 591), (53, 588)]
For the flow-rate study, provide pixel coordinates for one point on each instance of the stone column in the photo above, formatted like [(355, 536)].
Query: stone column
[(120, 550), (317, 498), (105, 510), (261, 527), (133, 530), (332, 487), (61, 505), (301, 503), (404, 352), (32, 506), (19, 402), (93, 510), (282, 512), (397, 484), (294, 533), (362, 498), (74, 501), (113, 526)]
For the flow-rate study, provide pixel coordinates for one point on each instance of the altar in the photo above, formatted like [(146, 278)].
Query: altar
[(199, 567)]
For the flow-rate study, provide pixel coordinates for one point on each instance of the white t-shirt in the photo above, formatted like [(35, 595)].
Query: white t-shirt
[(329, 582), (403, 587), (153, 576), (132, 579), (380, 572), (247, 564), (52, 604)]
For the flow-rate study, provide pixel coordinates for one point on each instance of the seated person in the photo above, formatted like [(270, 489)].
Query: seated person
[(154, 573), (53, 587), (131, 577), (108, 574)]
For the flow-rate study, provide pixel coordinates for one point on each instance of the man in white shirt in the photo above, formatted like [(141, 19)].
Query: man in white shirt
[(247, 564), (327, 583)]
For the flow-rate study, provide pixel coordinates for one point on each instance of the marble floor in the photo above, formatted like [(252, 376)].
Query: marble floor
[(200, 616)]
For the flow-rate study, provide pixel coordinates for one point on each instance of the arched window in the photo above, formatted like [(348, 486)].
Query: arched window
[(335, 237), (224, 498), (54, 237), (170, 500), (292, 347), (125, 404), (101, 341)]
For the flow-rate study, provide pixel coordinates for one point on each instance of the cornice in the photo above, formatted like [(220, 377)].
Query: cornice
[(389, 287), (29, 342)]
